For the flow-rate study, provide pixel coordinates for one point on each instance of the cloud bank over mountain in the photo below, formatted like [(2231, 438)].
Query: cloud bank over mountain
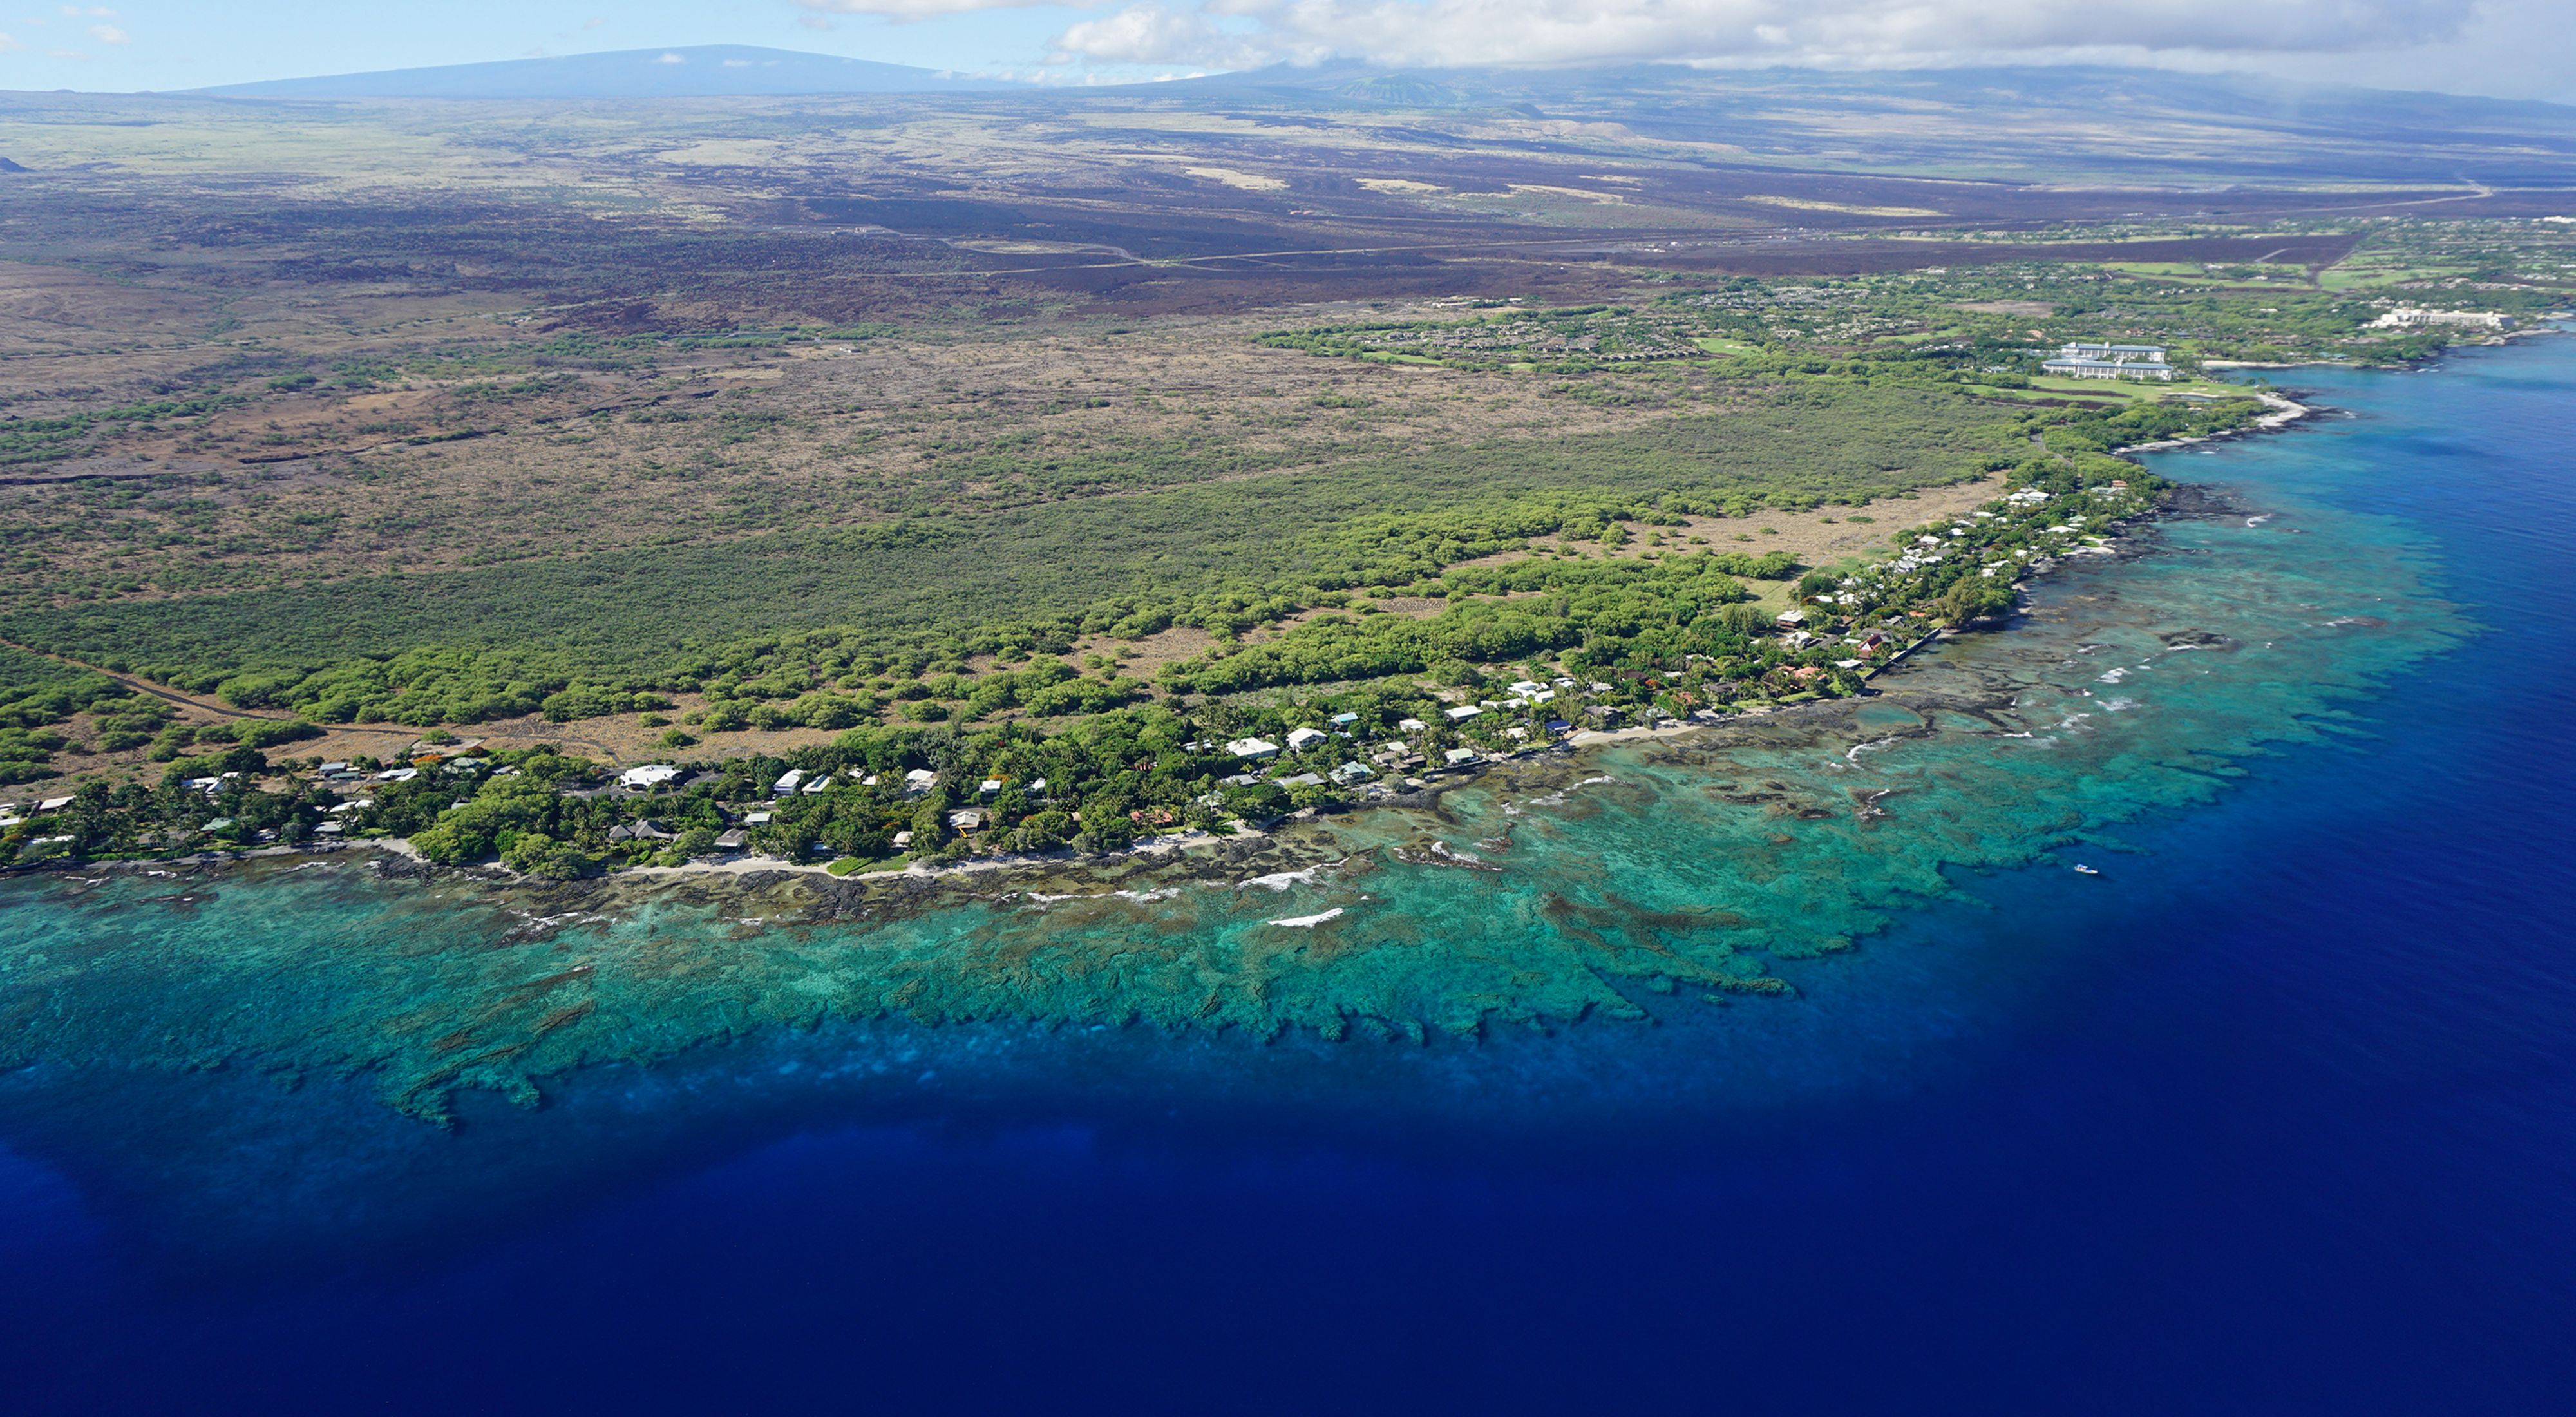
[(1872, 33), (2521, 48), (2500, 48)]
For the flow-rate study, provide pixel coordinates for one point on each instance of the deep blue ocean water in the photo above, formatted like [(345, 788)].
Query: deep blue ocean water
[(2278, 1114)]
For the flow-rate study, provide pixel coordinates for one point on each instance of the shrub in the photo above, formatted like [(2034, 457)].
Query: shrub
[(537, 854)]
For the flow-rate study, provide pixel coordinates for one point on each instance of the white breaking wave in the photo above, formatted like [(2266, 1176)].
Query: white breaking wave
[(1282, 880)]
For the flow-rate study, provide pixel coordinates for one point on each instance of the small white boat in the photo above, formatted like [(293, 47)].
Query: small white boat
[(2082, 870)]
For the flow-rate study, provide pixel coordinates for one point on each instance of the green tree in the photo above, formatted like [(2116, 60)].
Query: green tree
[(505, 809), (1975, 598), (538, 854)]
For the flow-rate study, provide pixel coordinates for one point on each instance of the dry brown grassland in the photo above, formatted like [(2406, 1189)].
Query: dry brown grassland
[(307, 485)]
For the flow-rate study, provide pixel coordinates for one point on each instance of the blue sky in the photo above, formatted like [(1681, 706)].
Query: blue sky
[(174, 44), (2505, 48)]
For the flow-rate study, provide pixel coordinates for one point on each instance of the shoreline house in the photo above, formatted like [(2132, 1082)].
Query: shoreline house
[(2082, 359)]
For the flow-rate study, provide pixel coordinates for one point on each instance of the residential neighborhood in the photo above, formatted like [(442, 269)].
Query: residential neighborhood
[(1180, 768)]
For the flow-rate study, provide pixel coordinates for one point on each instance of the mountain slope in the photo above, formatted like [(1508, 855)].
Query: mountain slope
[(702, 71), (2036, 123)]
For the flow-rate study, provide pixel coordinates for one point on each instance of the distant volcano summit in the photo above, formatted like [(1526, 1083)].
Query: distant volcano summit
[(703, 71)]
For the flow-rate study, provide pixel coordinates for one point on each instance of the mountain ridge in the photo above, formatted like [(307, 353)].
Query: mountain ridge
[(684, 71)]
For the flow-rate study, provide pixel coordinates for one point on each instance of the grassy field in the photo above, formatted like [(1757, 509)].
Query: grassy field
[(2135, 390)]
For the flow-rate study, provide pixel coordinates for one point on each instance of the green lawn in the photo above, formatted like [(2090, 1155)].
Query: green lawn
[(2358, 276), (2136, 390)]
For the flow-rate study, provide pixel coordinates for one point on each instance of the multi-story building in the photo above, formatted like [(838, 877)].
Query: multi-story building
[(2081, 359), (2404, 316)]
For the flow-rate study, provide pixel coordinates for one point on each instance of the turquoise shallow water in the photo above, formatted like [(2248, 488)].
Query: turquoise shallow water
[(1687, 870), (1822, 983)]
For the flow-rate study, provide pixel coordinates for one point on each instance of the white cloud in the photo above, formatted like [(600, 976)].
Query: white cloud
[(1461, 33), (2514, 48), (109, 34), (921, 9), (592, 24), (1151, 34), (670, 58), (815, 22)]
